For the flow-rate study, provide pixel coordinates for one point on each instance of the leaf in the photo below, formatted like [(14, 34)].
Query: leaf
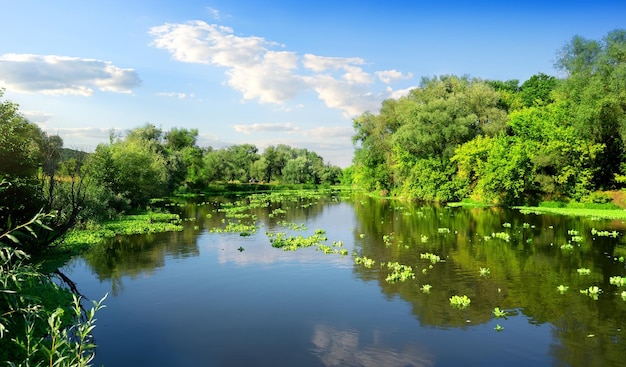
[(12, 238)]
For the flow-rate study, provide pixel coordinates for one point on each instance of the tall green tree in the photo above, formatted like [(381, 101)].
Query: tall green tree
[(595, 90)]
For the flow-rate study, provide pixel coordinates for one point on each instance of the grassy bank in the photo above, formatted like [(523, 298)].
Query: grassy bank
[(588, 211)]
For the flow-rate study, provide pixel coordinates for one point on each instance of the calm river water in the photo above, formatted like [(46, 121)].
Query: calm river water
[(204, 297)]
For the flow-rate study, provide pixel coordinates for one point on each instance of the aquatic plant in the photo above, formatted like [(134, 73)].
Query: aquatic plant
[(387, 239), (562, 288), (623, 295), (362, 235), (365, 261), (572, 232), (526, 225), (423, 238), (443, 230), (432, 257), (613, 234), (498, 313), (484, 272), (577, 238), (618, 281), (498, 328), (240, 249), (506, 225), (593, 291), (399, 272), (426, 288), (460, 302), (583, 271)]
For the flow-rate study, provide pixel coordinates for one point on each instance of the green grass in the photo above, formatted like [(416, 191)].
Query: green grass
[(587, 211), (78, 239)]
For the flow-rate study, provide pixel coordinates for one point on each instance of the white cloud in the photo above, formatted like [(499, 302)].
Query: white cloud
[(271, 80), (330, 132), (389, 76), (62, 75), (323, 63), (261, 73), (214, 13), (38, 117), (352, 99), (277, 127), (397, 94), (176, 95)]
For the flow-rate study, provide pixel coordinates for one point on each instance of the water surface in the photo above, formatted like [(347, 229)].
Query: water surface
[(197, 298)]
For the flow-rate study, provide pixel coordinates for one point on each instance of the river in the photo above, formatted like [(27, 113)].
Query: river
[(210, 297)]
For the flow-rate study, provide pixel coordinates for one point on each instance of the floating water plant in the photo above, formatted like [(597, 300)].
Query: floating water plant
[(387, 239), (362, 235), (368, 263), (443, 230), (498, 313), (572, 232), (484, 272), (399, 272), (460, 302), (240, 249), (498, 328), (432, 257), (423, 238), (526, 225), (592, 292), (583, 271), (618, 281), (426, 288), (577, 238), (562, 288), (506, 225), (567, 246), (623, 295), (613, 234)]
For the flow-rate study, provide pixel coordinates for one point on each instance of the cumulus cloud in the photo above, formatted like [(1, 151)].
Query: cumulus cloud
[(256, 69), (389, 76), (62, 75), (277, 127), (397, 94)]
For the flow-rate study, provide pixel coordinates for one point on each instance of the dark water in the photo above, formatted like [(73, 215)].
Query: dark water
[(197, 298)]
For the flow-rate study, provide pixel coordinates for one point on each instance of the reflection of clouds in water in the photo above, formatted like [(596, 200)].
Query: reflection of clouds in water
[(258, 250), (341, 348)]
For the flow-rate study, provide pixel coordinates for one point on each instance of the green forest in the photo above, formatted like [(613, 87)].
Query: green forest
[(503, 142)]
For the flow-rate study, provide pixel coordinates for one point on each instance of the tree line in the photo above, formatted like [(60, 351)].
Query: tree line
[(38, 174), (502, 141)]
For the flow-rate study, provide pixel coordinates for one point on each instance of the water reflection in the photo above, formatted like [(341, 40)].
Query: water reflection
[(526, 265), (138, 255), (342, 347)]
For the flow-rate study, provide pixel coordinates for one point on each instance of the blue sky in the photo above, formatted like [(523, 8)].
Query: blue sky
[(265, 72)]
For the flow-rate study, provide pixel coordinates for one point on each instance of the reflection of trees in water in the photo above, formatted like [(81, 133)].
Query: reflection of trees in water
[(336, 347), (138, 255), (524, 272)]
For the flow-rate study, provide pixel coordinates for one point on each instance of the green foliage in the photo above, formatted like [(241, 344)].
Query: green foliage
[(33, 328)]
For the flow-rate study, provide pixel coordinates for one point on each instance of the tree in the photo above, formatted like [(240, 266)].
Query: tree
[(538, 90), (595, 91), (21, 197)]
